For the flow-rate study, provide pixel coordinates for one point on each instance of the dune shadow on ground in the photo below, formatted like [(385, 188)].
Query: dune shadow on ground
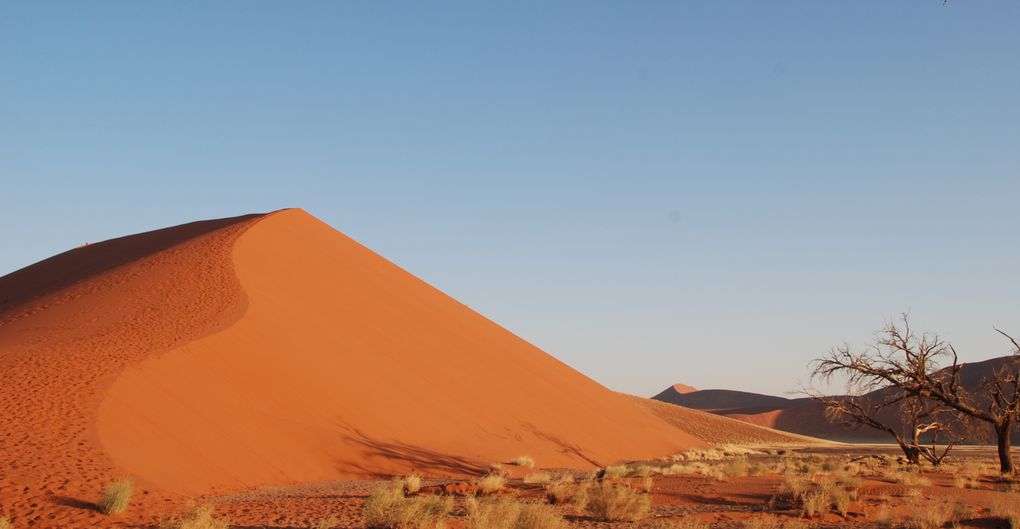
[(74, 503), (416, 457)]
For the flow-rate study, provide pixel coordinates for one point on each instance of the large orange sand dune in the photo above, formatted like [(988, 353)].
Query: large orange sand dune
[(274, 350)]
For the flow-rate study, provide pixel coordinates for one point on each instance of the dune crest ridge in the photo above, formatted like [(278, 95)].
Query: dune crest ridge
[(345, 365)]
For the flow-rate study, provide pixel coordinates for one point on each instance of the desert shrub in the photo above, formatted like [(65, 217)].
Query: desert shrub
[(327, 523), (840, 500), (412, 484), (524, 461), (963, 481), (509, 513), (698, 467), (388, 508), (913, 479), (647, 483), (615, 471), (5, 523), (115, 496), (794, 485), (538, 477), (883, 516), (638, 471), (1009, 511), (815, 503), (615, 502), (561, 491), (929, 515), (736, 467), (491, 484), (199, 517)]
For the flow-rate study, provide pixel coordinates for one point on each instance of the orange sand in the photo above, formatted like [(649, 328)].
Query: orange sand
[(273, 350)]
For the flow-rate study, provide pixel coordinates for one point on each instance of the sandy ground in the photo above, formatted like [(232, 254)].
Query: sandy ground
[(721, 504)]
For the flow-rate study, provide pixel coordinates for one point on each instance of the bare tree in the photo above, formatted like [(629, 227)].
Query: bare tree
[(887, 409), (910, 362)]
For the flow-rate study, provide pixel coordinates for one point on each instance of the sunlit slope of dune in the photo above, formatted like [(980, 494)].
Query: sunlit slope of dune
[(342, 365)]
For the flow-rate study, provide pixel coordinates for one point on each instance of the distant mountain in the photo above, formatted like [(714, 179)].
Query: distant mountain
[(802, 415)]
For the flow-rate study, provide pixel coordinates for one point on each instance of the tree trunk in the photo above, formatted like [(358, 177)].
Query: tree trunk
[(1003, 432), (912, 453)]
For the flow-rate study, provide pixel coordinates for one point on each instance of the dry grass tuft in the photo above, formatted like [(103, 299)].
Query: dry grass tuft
[(5, 523), (963, 481), (563, 491), (929, 515), (616, 503), (508, 513), (638, 471), (883, 516), (388, 508), (538, 477), (116, 496), (200, 517), (327, 523), (910, 478), (647, 483), (524, 461), (491, 484), (815, 503), (615, 471), (412, 484), (736, 467)]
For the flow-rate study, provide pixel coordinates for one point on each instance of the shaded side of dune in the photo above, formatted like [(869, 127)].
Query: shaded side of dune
[(345, 365), (72, 322)]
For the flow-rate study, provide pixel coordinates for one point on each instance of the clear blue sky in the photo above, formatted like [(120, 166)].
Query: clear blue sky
[(654, 192)]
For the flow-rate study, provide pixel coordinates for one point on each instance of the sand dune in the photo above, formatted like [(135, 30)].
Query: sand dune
[(717, 429), (275, 350)]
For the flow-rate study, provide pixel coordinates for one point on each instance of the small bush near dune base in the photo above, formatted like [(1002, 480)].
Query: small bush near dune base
[(883, 516), (815, 503), (929, 515), (509, 513), (616, 503), (200, 517), (564, 490), (412, 484), (737, 467), (5, 523), (638, 471), (524, 461), (491, 484), (538, 477), (116, 496), (615, 471), (388, 508)]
